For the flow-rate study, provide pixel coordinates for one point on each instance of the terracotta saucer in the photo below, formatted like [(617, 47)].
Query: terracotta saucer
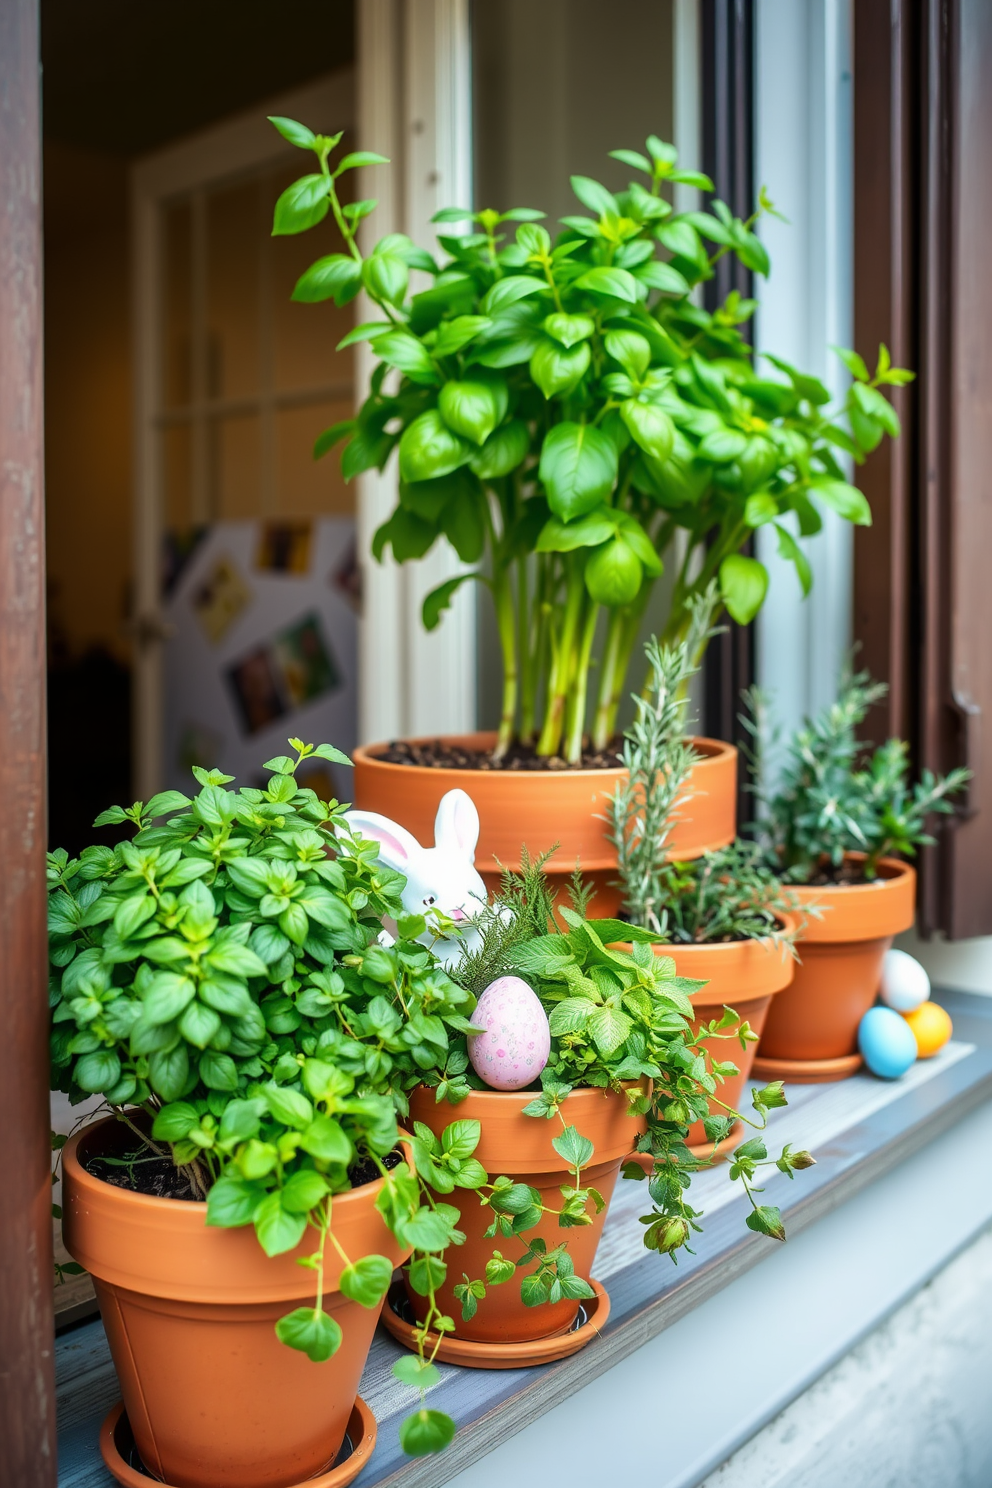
[(120, 1454), (398, 1318), (807, 1071)]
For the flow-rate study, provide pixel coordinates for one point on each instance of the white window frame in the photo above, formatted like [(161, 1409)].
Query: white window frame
[(414, 106), (803, 129)]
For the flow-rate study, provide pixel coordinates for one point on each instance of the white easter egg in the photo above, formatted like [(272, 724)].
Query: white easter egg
[(517, 1042), (905, 985)]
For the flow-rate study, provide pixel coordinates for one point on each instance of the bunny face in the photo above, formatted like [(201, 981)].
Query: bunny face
[(441, 878)]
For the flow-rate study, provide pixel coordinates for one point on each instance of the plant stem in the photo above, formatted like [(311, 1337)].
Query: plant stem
[(602, 728), (528, 660), (505, 623), (554, 712), (580, 688)]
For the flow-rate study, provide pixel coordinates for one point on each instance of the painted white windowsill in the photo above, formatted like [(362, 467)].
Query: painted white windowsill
[(741, 1357)]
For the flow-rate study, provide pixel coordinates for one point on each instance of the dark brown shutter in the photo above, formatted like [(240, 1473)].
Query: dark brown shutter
[(727, 47), (923, 587), (27, 1394)]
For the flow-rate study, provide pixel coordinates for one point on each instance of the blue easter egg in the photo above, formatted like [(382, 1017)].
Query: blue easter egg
[(886, 1042)]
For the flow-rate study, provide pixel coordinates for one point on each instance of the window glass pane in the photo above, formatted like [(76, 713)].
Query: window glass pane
[(309, 487), (235, 224), (176, 450), (236, 467), (177, 306), (559, 84)]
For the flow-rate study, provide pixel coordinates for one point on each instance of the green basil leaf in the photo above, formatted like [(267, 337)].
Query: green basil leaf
[(503, 451), (474, 406), (649, 426), (743, 586), (578, 469), (613, 573), (619, 283), (337, 277), (428, 448), (558, 370), (301, 206)]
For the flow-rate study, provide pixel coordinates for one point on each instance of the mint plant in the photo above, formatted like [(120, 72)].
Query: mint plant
[(570, 420), (835, 795), (217, 978)]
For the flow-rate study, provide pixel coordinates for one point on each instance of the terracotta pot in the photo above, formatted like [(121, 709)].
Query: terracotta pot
[(811, 1032), (744, 975), (520, 1147), (212, 1396), (538, 808)]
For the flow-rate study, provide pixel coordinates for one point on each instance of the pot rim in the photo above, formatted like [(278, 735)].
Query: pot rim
[(712, 750), (897, 871), (196, 1208), (854, 913)]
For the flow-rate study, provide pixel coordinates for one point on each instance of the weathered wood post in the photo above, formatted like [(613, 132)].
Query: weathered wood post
[(27, 1412)]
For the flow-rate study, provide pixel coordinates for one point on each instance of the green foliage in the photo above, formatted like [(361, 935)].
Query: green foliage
[(621, 1020), (219, 972), (836, 795), (593, 413)]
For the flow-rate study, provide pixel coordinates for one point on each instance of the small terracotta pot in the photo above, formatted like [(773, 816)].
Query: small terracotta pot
[(520, 1147), (538, 808), (811, 1031), (212, 1396), (744, 975)]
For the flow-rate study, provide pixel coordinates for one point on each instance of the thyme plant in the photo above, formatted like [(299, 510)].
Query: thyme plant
[(571, 421), (835, 795)]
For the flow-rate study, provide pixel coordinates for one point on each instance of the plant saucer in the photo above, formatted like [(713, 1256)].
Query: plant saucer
[(397, 1315), (807, 1071), (118, 1450)]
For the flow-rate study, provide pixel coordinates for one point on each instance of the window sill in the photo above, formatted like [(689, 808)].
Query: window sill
[(859, 1130)]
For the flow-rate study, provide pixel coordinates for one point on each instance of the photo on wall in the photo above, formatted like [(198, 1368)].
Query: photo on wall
[(263, 645), (291, 669)]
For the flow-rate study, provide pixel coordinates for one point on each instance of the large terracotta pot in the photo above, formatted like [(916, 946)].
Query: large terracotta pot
[(744, 975), (811, 1032), (520, 1147), (538, 808), (212, 1396)]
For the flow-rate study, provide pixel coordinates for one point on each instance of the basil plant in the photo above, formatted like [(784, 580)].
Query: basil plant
[(570, 419), (217, 978)]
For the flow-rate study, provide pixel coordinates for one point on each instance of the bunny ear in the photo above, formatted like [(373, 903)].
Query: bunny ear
[(397, 847), (456, 826)]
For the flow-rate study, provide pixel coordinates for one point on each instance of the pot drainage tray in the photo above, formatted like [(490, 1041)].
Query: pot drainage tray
[(119, 1452), (397, 1315)]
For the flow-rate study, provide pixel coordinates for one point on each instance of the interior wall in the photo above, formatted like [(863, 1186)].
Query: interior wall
[(88, 402), (556, 86)]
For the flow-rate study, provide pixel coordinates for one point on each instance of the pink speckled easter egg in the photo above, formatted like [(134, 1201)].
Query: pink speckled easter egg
[(517, 1042)]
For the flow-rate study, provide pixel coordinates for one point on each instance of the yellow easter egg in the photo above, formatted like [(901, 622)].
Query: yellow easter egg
[(931, 1027)]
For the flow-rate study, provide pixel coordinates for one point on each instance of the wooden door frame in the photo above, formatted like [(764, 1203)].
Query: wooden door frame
[(27, 1382)]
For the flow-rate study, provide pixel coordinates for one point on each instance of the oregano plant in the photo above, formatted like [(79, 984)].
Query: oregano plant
[(571, 420)]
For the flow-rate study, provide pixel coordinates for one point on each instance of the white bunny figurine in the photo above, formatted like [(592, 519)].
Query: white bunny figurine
[(440, 878)]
